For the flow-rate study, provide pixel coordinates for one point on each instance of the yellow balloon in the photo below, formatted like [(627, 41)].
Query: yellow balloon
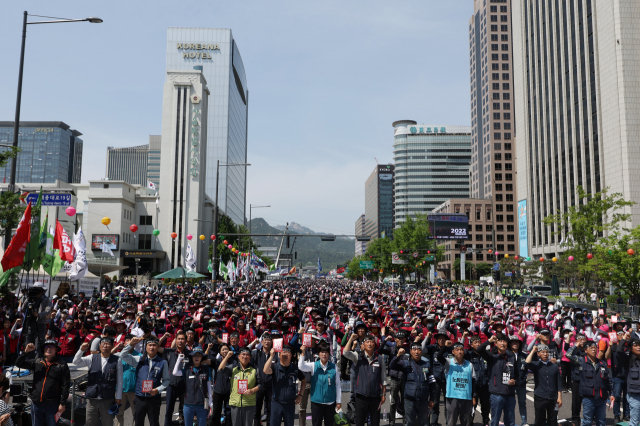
[(201, 237), (506, 256), (555, 259), (106, 221)]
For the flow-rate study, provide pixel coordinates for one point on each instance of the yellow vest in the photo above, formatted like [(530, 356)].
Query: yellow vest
[(249, 374)]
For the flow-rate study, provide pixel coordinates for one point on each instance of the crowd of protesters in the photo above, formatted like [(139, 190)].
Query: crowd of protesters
[(249, 353)]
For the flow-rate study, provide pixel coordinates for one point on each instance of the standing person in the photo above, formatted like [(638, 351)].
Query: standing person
[(152, 378), (460, 382), (576, 399), (618, 353), (175, 390), (395, 376), (482, 379), (547, 392), (503, 377), (128, 385), (284, 375), (198, 393), (51, 381), (68, 340), (515, 345), (245, 383), (105, 382), (37, 327), (595, 383), (222, 387), (418, 384), (432, 350), (628, 358), (265, 395), (326, 393), (370, 380)]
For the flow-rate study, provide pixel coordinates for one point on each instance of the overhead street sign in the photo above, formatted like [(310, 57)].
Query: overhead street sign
[(366, 264), (429, 258), (49, 199)]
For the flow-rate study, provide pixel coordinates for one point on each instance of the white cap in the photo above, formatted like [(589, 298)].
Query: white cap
[(38, 284)]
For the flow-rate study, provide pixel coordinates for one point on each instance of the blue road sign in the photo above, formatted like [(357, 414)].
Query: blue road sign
[(50, 199), (496, 266), (508, 274)]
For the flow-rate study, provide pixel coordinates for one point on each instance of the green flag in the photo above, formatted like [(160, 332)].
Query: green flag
[(51, 261), (272, 267), (42, 242), (222, 270), (210, 266), (4, 276), (33, 248)]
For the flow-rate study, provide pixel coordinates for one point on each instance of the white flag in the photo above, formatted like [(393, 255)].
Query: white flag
[(79, 265), (190, 259)]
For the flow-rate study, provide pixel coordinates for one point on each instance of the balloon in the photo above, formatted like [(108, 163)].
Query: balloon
[(133, 228), (516, 257), (506, 256), (201, 237), (225, 242), (229, 246), (554, 259), (570, 258), (490, 251), (189, 237), (497, 254), (528, 258), (106, 221), (589, 256), (156, 232), (213, 237), (542, 259), (630, 252), (174, 235), (70, 211)]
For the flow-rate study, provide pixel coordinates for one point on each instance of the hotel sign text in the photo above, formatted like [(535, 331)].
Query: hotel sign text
[(197, 46)]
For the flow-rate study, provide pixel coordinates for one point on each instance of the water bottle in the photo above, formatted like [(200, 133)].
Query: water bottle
[(385, 416), (557, 407)]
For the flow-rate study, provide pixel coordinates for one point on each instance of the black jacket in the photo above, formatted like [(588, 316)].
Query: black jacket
[(547, 379), (500, 366), (50, 383)]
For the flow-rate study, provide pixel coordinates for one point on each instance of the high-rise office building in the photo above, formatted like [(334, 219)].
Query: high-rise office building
[(153, 160), (431, 166), (136, 165), (361, 246), (576, 98), (493, 162), (50, 150), (216, 53), (492, 120), (128, 164), (378, 202)]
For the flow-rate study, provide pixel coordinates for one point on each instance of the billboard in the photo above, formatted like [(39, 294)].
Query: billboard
[(110, 240), (448, 226), (523, 232)]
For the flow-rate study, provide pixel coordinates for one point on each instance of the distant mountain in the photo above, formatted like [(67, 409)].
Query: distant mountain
[(331, 253), (297, 228)]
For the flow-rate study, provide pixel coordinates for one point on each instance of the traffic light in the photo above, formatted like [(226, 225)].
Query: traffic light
[(401, 251), (428, 251)]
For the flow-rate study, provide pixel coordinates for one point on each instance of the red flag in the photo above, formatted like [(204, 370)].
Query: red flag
[(14, 255), (62, 242)]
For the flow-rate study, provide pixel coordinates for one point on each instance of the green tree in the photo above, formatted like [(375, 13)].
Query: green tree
[(468, 266), (616, 263), (583, 226), (483, 269), (10, 208), (530, 273)]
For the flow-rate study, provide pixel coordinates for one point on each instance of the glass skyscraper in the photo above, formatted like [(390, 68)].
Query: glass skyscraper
[(50, 150), (215, 52), (378, 202), (431, 166)]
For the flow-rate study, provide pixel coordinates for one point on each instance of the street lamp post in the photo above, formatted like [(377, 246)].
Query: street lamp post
[(214, 272), (16, 124)]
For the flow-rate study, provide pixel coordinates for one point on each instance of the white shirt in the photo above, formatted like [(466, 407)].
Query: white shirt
[(86, 361), (310, 367)]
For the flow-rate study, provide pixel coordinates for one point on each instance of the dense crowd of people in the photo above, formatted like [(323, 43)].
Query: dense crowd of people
[(226, 354)]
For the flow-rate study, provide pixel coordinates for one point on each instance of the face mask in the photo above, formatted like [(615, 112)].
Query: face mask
[(530, 328), (567, 323)]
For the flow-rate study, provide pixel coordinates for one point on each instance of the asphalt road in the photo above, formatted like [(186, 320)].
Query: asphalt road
[(564, 414)]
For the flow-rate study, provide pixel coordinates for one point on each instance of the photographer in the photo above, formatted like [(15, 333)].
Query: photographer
[(38, 306)]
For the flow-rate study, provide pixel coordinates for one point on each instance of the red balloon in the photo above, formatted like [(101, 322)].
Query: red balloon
[(630, 252), (213, 237), (133, 227), (542, 259), (174, 235), (589, 256), (225, 242), (516, 257)]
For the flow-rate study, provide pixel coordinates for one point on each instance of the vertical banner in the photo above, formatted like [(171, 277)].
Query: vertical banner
[(522, 228)]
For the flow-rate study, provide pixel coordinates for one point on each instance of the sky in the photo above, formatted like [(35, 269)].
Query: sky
[(326, 79)]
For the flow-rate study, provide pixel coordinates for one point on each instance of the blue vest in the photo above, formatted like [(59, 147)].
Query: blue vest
[(323, 384), (368, 376), (417, 380), (102, 385), (284, 383), (459, 380), (129, 375), (195, 385), (594, 381), (144, 373)]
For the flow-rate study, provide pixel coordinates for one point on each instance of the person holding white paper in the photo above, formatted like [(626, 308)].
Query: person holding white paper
[(198, 398), (326, 392), (245, 384)]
